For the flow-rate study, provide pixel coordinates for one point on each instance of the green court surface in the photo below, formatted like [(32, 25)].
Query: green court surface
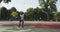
[(16, 29)]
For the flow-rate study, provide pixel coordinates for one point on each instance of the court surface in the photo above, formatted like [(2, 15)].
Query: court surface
[(29, 26)]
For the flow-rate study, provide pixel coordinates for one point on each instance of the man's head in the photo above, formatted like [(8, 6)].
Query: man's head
[(21, 12)]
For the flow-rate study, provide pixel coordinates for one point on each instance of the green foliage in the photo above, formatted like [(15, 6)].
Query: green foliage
[(58, 15), (35, 14), (13, 9), (13, 13), (4, 13), (43, 13), (5, 1), (8, 14), (48, 6), (29, 14), (0, 1)]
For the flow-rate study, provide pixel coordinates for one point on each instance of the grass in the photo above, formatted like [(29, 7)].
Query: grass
[(16, 29)]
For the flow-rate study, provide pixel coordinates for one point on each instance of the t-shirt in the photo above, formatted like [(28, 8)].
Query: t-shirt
[(22, 16)]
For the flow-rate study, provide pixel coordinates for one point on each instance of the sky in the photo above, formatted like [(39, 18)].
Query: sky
[(58, 5), (23, 5)]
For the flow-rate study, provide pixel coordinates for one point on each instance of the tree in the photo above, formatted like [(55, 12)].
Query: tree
[(13, 13), (48, 6), (29, 14), (5, 1), (37, 13), (12, 10), (51, 4), (4, 13), (58, 16)]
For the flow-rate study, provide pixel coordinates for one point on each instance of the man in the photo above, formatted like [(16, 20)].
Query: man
[(21, 19)]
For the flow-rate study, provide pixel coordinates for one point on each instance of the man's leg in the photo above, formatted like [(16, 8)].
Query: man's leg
[(22, 23), (19, 23)]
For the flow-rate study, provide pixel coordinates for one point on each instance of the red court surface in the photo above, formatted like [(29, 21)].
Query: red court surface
[(51, 25)]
